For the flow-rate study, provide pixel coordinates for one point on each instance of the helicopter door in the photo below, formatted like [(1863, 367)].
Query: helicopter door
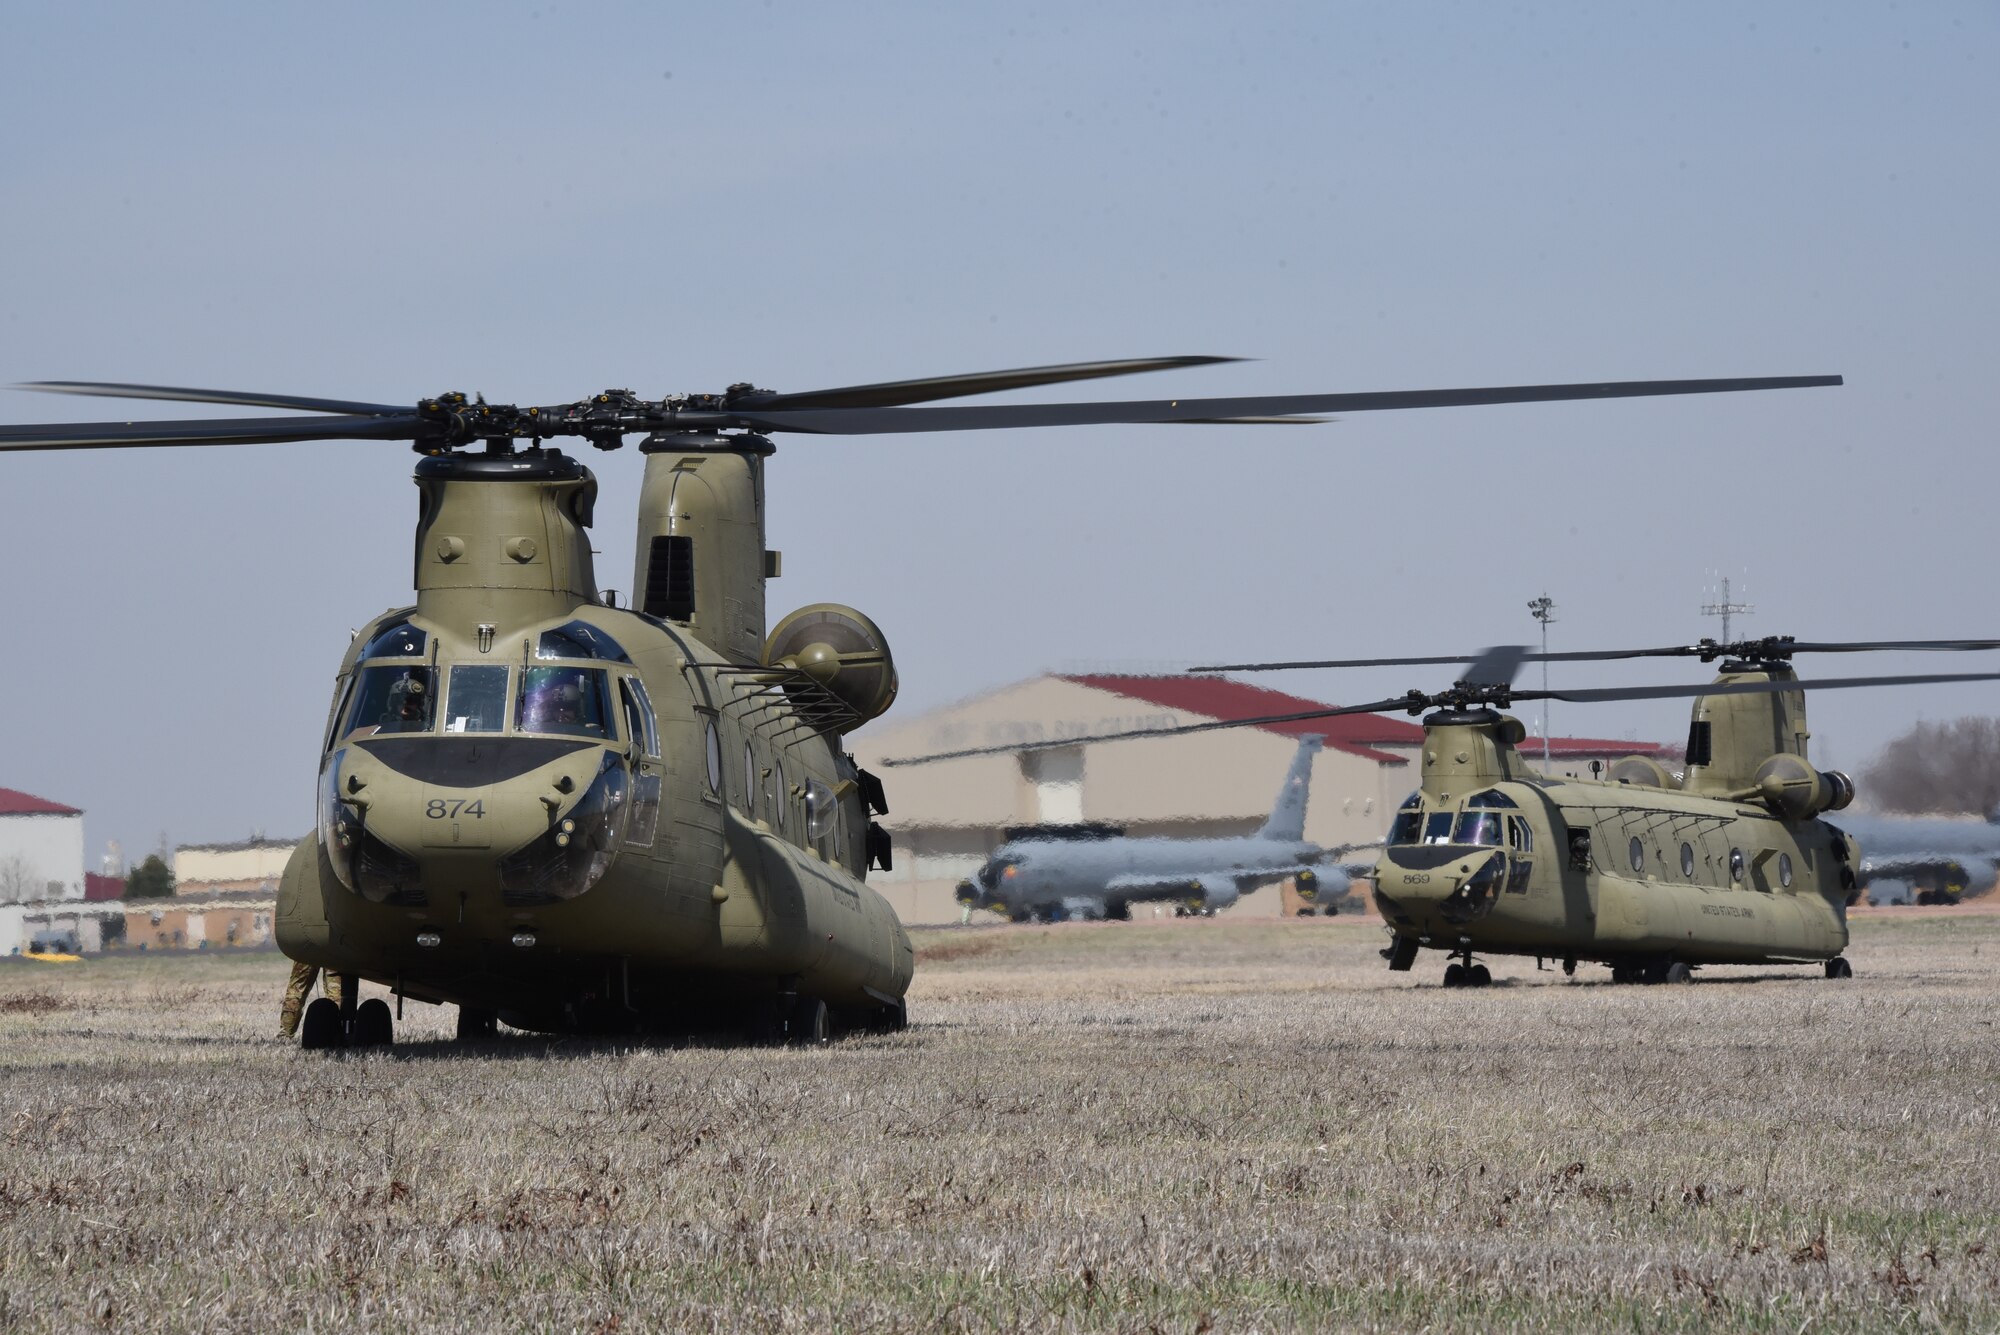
[(643, 751), (1520, 856)]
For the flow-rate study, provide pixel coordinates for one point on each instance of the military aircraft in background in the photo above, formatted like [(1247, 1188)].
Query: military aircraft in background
[(1924, 859), (1093, 870)]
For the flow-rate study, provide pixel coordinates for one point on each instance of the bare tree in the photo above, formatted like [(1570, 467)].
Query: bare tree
[(17, 881), (1945, 768)]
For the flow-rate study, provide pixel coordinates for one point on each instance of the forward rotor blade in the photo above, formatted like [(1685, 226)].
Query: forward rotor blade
[(1435, 660), (996, 417), (891, 393), (1377, 707), (224, 431), (107, 390)]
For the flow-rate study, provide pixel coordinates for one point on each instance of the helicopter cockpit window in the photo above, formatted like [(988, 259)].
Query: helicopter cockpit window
[(1478, 827), (1437, 828), (646, 720), (478, 700), (566, 700), (580, 639), (393, 699), (397, 640), (337, 721), (1492, 798), (1408, 825)]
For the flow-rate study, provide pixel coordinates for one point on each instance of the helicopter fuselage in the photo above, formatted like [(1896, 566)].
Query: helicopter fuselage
[(1489, 857), (570, 815)]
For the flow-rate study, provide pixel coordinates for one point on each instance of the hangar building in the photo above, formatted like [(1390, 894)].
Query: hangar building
[(945, 818)]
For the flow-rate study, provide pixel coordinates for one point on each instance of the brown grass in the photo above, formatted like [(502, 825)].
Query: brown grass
[(1173, 1126)]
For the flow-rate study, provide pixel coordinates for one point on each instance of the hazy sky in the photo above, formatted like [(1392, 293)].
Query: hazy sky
[(539, 201)]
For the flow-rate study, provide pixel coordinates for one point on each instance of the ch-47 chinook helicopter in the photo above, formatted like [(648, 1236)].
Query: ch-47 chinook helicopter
[(1651, 871), (567, 815)]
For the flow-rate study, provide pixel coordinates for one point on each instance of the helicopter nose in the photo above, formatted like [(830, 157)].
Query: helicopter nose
[(1430, 887), (413, 828)]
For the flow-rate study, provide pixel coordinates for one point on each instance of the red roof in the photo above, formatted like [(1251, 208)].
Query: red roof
[(1585, 747), (14, 803), (1359, 734), (97, 887)]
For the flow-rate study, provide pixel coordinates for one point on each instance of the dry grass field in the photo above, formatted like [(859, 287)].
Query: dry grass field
[(1180, 1126)]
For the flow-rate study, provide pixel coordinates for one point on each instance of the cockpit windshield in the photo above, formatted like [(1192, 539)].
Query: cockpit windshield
[(1479, 827), (393, 699), (1409, 825), (478, 700), (398, 639), (567, 700), (580, 639)]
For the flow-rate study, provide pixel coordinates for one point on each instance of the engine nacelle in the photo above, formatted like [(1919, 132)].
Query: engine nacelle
[(1643, 772), (843, 652), (1791, 787)]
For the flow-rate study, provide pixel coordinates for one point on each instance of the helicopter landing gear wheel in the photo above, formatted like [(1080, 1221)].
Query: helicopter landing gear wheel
[(373, 1027), (1678, 972), (1839, 968), (1479, 976), (808, 1023), (1401, 954), (322, 1027), (476, 1026), (891, 1019), (1454, 974)]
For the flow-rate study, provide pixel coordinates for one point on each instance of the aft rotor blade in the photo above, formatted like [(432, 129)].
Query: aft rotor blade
[(1605, 694), (223, 431), (1185, 729), (173, 393), (1612, 655), (1891, 646), (892, 393), (1416, 702), (998, 417)]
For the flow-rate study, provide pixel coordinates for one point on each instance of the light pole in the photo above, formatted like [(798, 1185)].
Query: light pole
[(1544, 610)]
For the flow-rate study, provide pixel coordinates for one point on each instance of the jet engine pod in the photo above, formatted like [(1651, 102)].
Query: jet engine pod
[(1791, 787), (843, 652), (1642, 771), (1306, 884)]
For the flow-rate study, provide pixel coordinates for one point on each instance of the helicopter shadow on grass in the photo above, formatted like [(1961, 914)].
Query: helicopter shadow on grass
[(560, 1047)]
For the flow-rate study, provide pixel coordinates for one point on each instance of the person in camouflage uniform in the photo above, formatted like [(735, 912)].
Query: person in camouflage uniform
[(297, 990)]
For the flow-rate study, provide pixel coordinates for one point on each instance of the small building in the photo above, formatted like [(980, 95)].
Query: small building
[(208, 870), (215, 923), (41, 875)]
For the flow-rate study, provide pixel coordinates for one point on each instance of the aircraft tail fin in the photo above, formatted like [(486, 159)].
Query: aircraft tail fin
[(1288, 814)]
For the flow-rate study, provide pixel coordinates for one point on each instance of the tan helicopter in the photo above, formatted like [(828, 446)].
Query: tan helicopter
[(1652, 872), (567, 815)]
